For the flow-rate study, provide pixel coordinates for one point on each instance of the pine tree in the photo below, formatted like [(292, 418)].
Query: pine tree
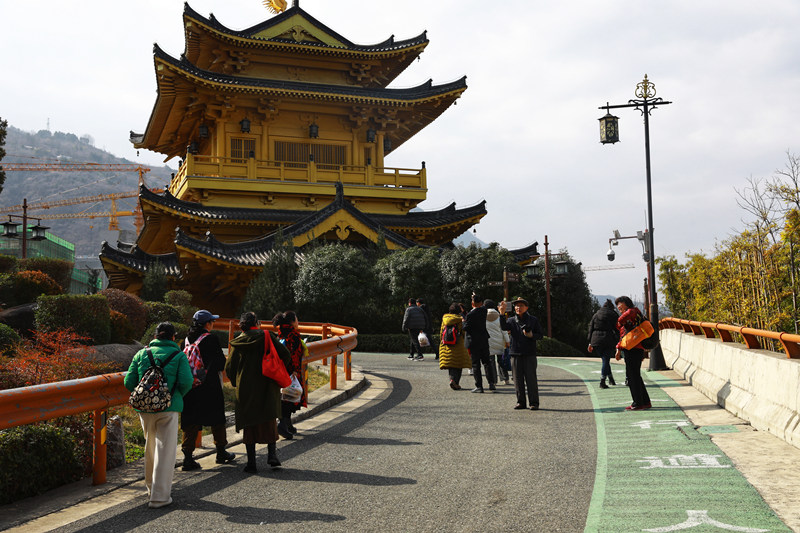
[(154, 284), (3, 129), (271, 291)]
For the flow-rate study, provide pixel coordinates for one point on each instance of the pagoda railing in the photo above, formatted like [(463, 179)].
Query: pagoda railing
[(710, 330), (203, 166)]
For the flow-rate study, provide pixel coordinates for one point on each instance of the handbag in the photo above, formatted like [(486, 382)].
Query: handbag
[(293, 392), (638, 335), (422, 338), (272, 366)]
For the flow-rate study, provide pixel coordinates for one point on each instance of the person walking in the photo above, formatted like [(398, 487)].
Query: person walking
[(287, 324), (524, 330), (428, 331), (161, 429), (414, 322), (629, 318), (498, 342), (453, 355), (204, 404), (258, 398), (603, 339), (478, 342)]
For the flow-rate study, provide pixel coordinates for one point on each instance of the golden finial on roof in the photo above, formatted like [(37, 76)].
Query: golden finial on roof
[(275, 6)]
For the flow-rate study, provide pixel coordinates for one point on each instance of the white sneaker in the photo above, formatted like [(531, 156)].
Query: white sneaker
[(158, 505)]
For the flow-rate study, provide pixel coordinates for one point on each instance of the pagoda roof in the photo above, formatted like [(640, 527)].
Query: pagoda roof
[(137, 260), (253, 36), (180, 85), (523, 255)]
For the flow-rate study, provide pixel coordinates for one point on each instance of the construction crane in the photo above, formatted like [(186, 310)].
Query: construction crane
[(113, 223)]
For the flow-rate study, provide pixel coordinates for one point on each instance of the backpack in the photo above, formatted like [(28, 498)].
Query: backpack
[(192, 351), (151, 395), (450, 335)]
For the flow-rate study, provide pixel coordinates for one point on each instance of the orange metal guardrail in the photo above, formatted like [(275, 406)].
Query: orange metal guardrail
[(38, 403), (789, 341)]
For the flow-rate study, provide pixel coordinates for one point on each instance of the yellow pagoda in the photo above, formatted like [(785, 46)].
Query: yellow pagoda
[(282, 129)]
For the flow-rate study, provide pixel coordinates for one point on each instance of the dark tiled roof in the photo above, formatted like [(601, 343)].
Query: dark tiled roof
[(314, 90), (431, 219), (524, 254), (249, 33), (139, 260)]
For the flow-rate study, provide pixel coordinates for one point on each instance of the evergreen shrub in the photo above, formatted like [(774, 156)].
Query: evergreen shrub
[(58, 269), (162, 312), (87, 315), (34, 459), (23, 287), (8, 264), (181, 330), (181, 300), (129, 305), (121, 329), (8, 340)]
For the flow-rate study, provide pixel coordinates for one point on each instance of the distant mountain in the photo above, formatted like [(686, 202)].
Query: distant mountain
[(43, 186), (466, 238)]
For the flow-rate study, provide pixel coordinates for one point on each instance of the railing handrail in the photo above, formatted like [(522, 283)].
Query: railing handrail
[(789, 341), (37, 403)]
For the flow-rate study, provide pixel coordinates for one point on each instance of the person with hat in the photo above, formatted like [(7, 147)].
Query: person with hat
[(524, 330), (498, 342), (204, 405)]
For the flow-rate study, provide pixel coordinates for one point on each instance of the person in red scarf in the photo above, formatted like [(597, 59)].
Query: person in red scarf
[(287, 324), (630, 317)]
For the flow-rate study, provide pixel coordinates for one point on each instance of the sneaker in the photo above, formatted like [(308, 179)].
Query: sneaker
[(519, 406), (492, 388), (190, 464), (411, 356), (283, 432), (631, 407), (642, 407), (477, 389), (419, 358), (454, 385), (603, 385), (250, 468), (158, 505)]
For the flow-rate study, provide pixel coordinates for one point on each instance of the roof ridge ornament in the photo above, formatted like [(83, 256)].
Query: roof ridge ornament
[(277, 6)]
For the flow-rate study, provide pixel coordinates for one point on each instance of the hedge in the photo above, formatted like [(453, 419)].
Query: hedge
[(162, 312), (34, 459), (87, 315), (58, 269), (8, 264), (8, 339), (24, 287), (129, 305)]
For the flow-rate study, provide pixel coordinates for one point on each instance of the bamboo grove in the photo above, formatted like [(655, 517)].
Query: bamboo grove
[(752, 278)]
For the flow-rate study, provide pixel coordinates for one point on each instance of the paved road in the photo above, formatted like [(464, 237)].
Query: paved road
[(416, 456), (409, 454)]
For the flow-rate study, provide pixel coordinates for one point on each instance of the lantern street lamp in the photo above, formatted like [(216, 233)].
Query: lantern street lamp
[(37, 231), (644, 102)]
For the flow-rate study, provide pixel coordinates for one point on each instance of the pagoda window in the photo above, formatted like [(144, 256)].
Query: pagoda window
[(326, 156), (241, 147)]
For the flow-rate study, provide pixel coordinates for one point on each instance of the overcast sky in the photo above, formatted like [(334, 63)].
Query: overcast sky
[(524, 136)]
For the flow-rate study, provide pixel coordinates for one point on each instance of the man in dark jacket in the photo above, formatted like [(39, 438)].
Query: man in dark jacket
[(603, 339), (524, 330), (477, 341), (414, 321)]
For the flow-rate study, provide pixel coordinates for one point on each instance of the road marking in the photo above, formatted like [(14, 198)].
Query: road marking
[(698, 518), (648, 424), (699, 460)]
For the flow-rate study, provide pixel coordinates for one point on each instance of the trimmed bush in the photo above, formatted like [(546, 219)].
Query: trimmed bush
[(161, 312), (182, 301), (121, 330), (8, 264), (24, 287), (34, 459), (87, 315), (58, 269), (181, 330), (129, 305), (8, 340)]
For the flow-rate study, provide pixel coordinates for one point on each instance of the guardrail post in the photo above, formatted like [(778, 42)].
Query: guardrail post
[(334, 375), (347, 362), (326, 332), (99, 438)]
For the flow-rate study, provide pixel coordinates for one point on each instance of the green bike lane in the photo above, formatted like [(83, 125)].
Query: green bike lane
[(655, 472)]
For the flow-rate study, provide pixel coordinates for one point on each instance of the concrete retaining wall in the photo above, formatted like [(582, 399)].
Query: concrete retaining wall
[(758, 386)]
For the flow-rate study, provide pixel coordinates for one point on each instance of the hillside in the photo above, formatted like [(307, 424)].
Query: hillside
[(46, 147)]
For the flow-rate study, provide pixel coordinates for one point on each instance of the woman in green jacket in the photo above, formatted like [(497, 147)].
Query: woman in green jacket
[(161, 429), (453, 357), (258, 398)]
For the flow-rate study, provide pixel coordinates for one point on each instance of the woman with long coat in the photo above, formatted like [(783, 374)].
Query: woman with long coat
[(288, 324), (454, 357), (603, 339), (204, 405), (258, 398)]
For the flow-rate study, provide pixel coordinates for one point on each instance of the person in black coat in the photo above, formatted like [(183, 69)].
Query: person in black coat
[(414, 321), (524, 330), (478, 341), (603, 339), (204, 405)]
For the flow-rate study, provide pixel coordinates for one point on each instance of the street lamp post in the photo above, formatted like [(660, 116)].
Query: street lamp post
[(37, 231), (645, 102), (533, 270)]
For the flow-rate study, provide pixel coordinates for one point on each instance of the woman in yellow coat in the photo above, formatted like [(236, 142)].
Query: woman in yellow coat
[(453, 355)]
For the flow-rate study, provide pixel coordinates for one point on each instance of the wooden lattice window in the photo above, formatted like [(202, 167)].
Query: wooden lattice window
[(326, 156), (241, 147)]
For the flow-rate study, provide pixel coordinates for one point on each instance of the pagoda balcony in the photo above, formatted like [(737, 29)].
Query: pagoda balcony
[(200, 172)]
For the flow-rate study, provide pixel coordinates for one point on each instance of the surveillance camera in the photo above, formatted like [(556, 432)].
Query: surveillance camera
[(610, 254)]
